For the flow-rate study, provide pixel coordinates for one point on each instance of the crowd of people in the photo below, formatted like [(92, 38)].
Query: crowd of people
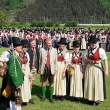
[(81, 34), (45, 51)]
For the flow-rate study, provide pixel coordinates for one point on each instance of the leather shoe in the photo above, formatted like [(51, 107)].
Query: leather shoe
[(51, 100), (77, 99), (62, 99), (43, 99), (57, 98), (24, 104), (31, 101)]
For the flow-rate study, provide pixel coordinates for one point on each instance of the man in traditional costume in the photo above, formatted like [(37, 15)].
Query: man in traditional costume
[(60, 77), (94, 82), (47, 68), (15, 76), (34, 61)]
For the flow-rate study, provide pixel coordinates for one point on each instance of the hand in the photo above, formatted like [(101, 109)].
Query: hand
[(106, 73), (63, 75), (18, 88), (39, 71), (30, 76), (82, 75), (73, 66), (1, 64), (55, 72)]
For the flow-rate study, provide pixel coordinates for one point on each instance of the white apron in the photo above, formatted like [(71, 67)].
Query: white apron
[(93, 84), (76, 82)]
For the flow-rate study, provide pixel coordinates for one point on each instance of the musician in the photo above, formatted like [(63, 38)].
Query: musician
[(94, 84), (60, 77), (15, 76), (76, 62)]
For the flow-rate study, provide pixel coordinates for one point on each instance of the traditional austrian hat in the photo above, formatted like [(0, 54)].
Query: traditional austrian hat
[(63, 41), (25, 42), (16, 41), (93, 39), (76, 43)]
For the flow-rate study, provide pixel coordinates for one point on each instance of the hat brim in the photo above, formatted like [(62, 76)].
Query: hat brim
[(15, 45), (76, 46), (25, 45), (93, 41), (62, 43)]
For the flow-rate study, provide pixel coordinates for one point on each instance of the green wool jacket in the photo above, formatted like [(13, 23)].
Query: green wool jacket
[(15, 76)]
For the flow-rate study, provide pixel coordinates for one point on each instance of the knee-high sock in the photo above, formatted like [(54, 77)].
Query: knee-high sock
[(51, 89), (44, 91)]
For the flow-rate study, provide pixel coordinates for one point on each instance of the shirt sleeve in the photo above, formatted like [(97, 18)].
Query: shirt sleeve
[(5, 56), (28, 57), (102, 54), (67, 57)]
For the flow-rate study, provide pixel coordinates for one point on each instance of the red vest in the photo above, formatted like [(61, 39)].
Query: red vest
[(95, 57), (77, 60), (60, 58)]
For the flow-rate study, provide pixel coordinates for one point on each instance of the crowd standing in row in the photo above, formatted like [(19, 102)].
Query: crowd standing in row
[(45, 51), (81, 34)]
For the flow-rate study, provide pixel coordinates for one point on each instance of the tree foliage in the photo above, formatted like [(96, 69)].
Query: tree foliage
[(83, 11), (3, 19)]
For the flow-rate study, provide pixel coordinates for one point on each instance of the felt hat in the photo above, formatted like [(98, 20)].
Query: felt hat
[(76, 43), (25, 42), (93, 39), (16, 41), (63, 41)]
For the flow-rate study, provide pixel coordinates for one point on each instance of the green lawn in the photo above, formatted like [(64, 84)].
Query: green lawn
[(67, 104)]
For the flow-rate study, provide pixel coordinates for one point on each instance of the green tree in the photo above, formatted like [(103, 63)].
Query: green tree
[(3, 19)]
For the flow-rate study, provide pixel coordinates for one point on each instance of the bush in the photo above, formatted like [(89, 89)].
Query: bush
[(33, 24), (57, 24), (18, 25), (68, 24), (71, 24), (40, 24), (14, 24), (49, 24)]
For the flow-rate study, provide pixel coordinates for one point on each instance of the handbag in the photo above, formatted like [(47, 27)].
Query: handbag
[(7, 91), (71, 71)]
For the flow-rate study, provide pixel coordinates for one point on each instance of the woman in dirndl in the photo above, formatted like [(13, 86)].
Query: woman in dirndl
[(76, 63), (60, 78), (94, 83), (26, 89)]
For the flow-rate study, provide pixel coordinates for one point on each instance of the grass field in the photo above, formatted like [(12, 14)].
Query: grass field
[(67, 104)]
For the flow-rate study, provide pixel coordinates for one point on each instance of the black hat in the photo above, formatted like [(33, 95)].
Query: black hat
[(63, 41), (16, 41), (93, 39), (76, 43), (25, 42)]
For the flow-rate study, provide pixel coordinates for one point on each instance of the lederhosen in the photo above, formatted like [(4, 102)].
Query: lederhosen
[(47, 74)]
